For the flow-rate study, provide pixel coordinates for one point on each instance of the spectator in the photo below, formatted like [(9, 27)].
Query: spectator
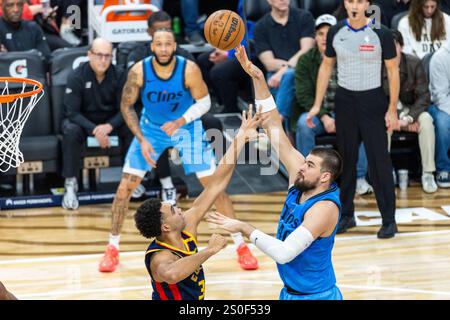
[(19, 35), (440, 111), (305, 89), (414, 100), (223, 73), (92, 108), (425, 28), (189, 11), (45, 18), (281, 37)]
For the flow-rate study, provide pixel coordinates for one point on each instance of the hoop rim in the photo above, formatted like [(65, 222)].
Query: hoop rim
[(11, 97)]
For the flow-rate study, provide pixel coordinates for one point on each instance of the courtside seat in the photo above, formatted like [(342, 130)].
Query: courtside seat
[(63, 62), (38, 144), (396, 19)]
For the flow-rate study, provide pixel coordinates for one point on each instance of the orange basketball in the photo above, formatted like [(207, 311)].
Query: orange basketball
[(224, 29)]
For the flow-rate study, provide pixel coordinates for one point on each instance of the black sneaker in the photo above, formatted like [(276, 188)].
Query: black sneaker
[(195, 38), (346, 223), (387, 231), (443, 179)]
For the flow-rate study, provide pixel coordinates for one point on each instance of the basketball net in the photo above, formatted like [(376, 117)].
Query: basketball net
[(14, 112)]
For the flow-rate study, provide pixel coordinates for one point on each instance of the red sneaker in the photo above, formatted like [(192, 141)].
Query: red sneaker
[(245, 258), (110, 260)]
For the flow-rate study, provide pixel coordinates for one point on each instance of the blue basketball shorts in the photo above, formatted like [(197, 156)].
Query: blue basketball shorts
[(190, 141)]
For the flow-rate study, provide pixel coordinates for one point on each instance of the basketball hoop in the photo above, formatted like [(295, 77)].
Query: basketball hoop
[(18, 97)]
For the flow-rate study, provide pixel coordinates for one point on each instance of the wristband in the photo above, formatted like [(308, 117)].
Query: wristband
[(266, 104)]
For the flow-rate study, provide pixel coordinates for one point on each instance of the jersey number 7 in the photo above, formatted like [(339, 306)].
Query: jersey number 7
[(174, 106)]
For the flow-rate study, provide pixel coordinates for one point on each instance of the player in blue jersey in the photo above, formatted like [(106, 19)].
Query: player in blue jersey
[(174, 97), (308, 222), (172, 259)]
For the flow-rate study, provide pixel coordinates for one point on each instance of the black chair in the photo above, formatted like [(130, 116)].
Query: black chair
[(63, 62), (396, 19), (319, 7), (124, 49), (39, 145)]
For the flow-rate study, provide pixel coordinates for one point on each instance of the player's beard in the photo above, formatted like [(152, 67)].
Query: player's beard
[(304, 185), (165, 64)]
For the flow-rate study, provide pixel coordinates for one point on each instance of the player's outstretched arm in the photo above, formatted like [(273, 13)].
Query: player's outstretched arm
[(166, 267), (271, 121), (224, 171), (320, 220)]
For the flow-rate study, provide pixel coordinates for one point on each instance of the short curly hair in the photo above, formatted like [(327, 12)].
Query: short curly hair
[(148, 218)]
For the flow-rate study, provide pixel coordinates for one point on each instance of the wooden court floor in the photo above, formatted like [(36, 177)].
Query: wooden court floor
[(53, 254)]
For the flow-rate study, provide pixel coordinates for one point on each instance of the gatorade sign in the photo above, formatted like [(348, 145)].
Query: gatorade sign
[(18, 68)]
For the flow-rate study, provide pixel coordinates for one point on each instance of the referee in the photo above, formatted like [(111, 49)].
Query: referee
[(363, 112)]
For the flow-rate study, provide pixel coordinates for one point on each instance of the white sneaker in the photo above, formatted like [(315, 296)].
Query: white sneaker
[(67, 34), (363, 187), (138, 192), (169, 195), (428, 183), (70, 199)]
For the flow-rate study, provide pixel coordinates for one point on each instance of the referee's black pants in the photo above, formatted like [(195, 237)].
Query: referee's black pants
[(360, 116)]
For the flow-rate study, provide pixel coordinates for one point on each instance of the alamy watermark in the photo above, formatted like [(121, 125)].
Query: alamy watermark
[(192, 149)]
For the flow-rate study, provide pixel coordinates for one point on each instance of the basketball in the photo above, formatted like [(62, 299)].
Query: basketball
[(224, 29)]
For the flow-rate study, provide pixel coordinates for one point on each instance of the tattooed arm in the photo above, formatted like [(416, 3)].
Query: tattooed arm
[(130, 94)]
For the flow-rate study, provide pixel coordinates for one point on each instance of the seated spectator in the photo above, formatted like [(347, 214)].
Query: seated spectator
[(281, 37), (305, 88), (92, 108), (35, 11), (189, 11), (19, 35), (222, 72), (440, 111), (414, 100), (425, 28)]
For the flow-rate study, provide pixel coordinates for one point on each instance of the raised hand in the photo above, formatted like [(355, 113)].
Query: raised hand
[(252, 70), (224, 222), (249, 124)]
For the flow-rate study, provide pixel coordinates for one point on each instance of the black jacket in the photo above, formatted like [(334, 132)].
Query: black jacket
[(28, 35), (414, 92), (89, 103)]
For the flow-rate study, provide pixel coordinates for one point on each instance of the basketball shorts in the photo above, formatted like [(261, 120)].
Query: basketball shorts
[(331, 294), (190, 141)]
